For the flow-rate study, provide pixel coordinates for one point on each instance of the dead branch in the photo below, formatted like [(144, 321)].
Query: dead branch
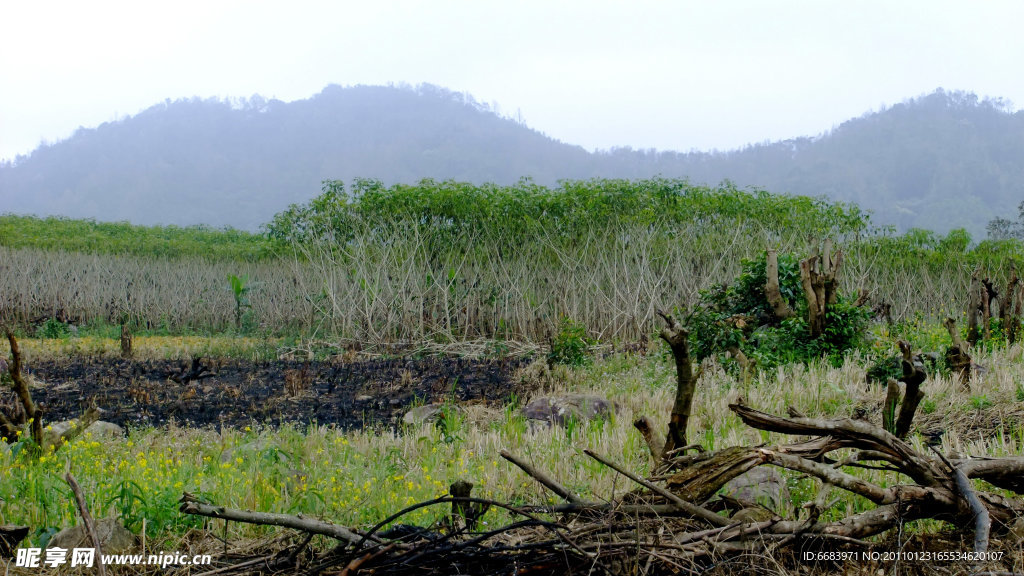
[(543, 478), (957, 358), (982, 522), (683, 505), (655, 442), (192, 505), (818, 277), (678, 339), (90, 526), (772, 291), (31, 414), (913, 377)]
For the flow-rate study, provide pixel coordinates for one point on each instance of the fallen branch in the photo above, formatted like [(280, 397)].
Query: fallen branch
[(544, 479), (191, 505), (90, 526), (682, 505)]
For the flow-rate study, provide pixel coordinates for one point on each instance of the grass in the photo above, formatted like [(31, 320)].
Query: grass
[(92, 237), (358, 478)]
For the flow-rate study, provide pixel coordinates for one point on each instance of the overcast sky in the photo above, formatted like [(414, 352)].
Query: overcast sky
[(677, 75)]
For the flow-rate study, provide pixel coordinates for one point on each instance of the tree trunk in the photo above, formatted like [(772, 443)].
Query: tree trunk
[(772, 291), (686, 383), (818, 277)]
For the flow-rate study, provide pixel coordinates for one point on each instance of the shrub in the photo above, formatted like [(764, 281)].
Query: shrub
[(571, 345), (52, 329), (737, 316)]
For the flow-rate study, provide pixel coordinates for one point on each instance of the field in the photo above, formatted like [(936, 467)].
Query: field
[(318, 334)]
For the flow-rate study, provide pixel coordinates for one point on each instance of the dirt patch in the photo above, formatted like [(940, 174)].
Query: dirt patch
[(350, 395)]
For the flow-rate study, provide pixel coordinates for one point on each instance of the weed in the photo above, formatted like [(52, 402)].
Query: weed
[(981, 402), (570, 346), (53, 329)]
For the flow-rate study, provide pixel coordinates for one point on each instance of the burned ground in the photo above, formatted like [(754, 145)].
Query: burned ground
[(365, 393)]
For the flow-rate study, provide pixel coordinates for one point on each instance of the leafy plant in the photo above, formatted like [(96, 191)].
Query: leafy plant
[(981, 402), (571, 345), (737, 317), (240, 289), (52, 329)]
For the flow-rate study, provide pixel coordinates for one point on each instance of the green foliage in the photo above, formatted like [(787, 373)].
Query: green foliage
[(981, 402), (738, 316), (571, 345), (52, 329), (240, 290), (520, 211), (90, 236)]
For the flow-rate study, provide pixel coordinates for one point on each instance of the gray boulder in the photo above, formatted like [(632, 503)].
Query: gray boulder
[(561, 409), (763, 485), (427, 414), (114, 537)]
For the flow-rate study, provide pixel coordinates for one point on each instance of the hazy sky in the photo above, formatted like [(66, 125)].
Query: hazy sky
[(670, 75)]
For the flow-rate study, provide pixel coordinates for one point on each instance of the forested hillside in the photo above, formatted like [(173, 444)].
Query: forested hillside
[(941, 161)]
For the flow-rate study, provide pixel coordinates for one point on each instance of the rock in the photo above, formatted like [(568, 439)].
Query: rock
[(363, 398), (97, 428), (762, 485), (560, 410), (114, 537), (427, 414)]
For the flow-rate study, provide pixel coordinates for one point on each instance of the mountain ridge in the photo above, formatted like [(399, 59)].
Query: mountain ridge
[(939, 161)]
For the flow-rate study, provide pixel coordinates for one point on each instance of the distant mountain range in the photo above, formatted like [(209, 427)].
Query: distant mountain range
[(939, 161)]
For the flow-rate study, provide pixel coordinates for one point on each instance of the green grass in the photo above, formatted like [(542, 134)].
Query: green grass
[(92, 237)]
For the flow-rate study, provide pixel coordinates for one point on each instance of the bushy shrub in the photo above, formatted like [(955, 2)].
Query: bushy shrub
[(738, 316), (52, 329), (571, 345)]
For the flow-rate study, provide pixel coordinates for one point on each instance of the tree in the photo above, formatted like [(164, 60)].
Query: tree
[(1006, 229)]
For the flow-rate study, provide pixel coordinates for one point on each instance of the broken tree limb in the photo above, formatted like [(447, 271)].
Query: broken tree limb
[(562, 492), (892, 398), (90, 526), (772, 291), (957, 358), (191, 505), (699, 477), (975, 298), (678, 339), (32, 414), (913, 377), (847, 433), (683, 505), (982, 521), (1005, 473), (818, 275), (655, 442)]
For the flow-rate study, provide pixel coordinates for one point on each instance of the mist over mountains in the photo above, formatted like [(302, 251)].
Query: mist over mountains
[(941, 161)]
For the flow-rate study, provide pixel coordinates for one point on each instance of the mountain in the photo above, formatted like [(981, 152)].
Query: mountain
[(940, 161)]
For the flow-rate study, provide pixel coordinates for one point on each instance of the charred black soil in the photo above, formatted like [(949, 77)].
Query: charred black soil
[(367, 393)]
